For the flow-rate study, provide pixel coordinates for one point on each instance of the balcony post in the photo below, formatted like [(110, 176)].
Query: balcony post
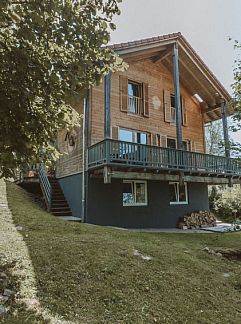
[(107, 104), (177, 97), (225, 128)]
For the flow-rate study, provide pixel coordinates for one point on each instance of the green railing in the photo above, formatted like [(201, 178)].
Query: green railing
[(119, 153)]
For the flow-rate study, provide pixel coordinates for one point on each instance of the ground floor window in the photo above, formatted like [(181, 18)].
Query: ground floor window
[(178, 193), (134, 193)]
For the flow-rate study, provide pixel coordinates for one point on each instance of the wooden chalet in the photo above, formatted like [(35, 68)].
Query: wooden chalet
[(139, 159)]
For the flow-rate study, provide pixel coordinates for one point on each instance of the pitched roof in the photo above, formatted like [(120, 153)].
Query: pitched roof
[(199, 79), (145, 41)]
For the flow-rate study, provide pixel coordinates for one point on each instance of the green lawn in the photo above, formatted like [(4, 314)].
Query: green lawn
[(88, 274)]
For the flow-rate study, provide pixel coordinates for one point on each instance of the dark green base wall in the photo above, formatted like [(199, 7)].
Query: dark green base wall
[(105, 205), (72, 188)]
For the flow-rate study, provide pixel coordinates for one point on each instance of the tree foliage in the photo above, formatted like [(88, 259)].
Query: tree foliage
[(214, 138), (51, 51), (237, 82)]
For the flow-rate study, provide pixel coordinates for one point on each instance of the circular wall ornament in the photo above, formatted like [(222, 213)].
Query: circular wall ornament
[(156, 102), (71, 138)]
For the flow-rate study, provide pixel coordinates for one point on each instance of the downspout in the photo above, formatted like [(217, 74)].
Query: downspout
[(83, 162)]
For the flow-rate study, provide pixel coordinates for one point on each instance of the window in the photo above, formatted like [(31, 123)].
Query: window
[(171, 143), (132, 136), (134, 193), (134, 98), (186, 145), (173, 108), (178, 193), (126, 135)]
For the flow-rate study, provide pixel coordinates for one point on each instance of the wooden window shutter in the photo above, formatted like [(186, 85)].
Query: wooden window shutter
[(184, 112), (145, 99), (154, 139), (193, 146), (149, 139), (115, 132), (167, 105), (163, 142), (123, 85)]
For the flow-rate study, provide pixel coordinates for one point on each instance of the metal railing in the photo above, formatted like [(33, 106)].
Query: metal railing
[(135, 105), (45, 185), (114, 152)]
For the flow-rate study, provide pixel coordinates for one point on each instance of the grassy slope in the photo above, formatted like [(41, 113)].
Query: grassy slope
[(89, 273)]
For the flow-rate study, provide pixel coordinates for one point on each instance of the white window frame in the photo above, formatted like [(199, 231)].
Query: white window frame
[(134, 182), (186, 194)]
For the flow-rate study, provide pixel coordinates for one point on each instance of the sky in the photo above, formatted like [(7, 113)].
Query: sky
[(206, 24)]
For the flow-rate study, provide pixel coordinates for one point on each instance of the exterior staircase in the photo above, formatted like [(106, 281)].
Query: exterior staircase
[(38, 181), (59, 205)]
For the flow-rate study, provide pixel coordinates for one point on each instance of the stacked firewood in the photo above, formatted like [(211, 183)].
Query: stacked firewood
[(197, 219)]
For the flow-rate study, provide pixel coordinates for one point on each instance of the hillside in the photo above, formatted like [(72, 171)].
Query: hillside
[(91, 274)]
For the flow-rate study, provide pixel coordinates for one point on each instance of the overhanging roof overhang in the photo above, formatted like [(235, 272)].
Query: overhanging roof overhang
[(194, 73)]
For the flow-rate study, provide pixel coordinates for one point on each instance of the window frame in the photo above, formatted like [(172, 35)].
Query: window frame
[(186, 202), (187, 141), (172, 96), (135, 134), (133, 183), (140, 90)]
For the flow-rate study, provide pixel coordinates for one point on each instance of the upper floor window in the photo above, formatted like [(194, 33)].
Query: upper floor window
[(135, 105), (170, 108), (134, 97)]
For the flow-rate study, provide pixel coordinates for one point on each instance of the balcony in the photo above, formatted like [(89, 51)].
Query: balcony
[(124, 154)]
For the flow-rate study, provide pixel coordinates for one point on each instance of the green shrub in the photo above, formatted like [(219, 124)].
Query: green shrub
[(225, 203)]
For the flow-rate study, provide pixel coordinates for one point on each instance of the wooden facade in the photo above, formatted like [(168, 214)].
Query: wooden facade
[(144, 134), (160, 85)]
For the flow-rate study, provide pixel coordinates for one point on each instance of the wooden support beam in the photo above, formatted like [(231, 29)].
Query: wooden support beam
[(210, 109), (107, 174), (195, 77), (107, 104), (163, 55), (177, 97), (171, 177), (181, 178)]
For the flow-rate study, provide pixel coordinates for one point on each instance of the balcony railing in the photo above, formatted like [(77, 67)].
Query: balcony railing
[(119, 153)]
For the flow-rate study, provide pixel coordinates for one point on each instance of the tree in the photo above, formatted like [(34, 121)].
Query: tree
[(51, 51), (214, 138), (236, 86)]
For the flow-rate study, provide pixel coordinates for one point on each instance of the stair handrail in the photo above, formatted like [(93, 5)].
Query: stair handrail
[(45, 185)]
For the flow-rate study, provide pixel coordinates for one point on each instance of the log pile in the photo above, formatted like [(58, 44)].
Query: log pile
[(197, 219)]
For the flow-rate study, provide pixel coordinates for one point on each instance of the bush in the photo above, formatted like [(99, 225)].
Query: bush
[(225, 203)]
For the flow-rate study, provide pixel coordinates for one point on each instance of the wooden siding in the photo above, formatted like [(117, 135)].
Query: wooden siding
[(159, 79), (70, 162)]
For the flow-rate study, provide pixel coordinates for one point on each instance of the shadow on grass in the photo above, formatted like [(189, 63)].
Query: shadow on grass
[(17, 312)]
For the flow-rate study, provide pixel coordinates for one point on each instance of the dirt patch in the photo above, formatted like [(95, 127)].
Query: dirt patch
[(231, 254)]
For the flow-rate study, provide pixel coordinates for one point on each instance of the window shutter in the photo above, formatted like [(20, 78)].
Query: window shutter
[(167, 105), (145, 99), (154, 139), (184, 112), (163, 141), (149, 139), (115, 132), (193, 146), (123, 84)]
